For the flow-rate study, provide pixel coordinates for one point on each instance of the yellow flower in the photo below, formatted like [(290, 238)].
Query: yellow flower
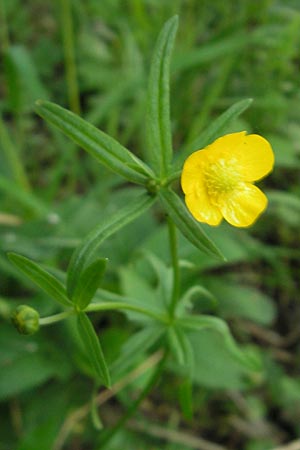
[(218, 180)]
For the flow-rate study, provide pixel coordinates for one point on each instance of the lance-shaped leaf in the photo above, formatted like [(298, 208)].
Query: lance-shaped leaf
[(198, 323), (181, 348), (41, 277), (214, 130), (188, 226), (88, 283), (103, 147), (107, 226), (158, 120), (93, 348)]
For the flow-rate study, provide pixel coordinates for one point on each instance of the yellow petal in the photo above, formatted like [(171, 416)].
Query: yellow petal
[(227, 142), (242, 206), (252, 153), (200, 207), (192, 172)]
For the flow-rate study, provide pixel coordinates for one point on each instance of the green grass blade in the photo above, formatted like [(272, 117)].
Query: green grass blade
[(188, 226), (103, 147), (13, 158), (41, 278), (22, 77), (214, 130), (88, 283), (93, 348), (67, 30), (27, 199), (158, 120), (108, 226)]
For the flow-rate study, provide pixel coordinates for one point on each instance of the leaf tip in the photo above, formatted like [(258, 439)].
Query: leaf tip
[(11, 256)]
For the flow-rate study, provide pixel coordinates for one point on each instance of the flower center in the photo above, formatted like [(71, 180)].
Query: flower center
[(221, 177)]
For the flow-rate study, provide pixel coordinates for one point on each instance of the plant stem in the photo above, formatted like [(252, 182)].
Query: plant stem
[(56, 317), (108, 306), (171, 178), (70, 64), (145, 392), (175, 265), (103, 306)]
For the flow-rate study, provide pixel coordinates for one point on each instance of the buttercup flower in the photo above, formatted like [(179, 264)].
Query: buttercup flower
[(218, 180)]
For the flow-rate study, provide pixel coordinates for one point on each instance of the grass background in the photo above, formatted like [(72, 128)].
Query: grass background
[(93, 57)]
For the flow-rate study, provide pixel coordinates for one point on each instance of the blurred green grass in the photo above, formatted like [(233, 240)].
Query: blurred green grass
[(51, 195)]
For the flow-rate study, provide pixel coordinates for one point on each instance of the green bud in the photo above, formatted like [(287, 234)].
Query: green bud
[(25, 319), (152, 186)]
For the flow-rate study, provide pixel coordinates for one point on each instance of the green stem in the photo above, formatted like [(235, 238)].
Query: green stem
[(133, 408), (56, 317), (109, 306), (103, 306), (173, 177), (70, 64), (175, 264)]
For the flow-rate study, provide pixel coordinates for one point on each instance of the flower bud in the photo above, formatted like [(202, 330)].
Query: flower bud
[(25, 319)]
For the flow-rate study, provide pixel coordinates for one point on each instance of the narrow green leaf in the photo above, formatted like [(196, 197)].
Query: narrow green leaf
[(214, 130), (188, 226), (103, 147), (93, 348), (134, 308), (88, 283), (27, 199), (95, 416), (107, 227), (12, 155), (201, 322), (23, 82), (158, 120), (181, 348), (41, 277)]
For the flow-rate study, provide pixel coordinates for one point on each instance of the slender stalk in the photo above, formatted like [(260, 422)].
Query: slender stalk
[(109, 306), (69, 53), (56, 317), (175, 265), (103, 306), (13, 158), (173, 177), (129, 413)]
